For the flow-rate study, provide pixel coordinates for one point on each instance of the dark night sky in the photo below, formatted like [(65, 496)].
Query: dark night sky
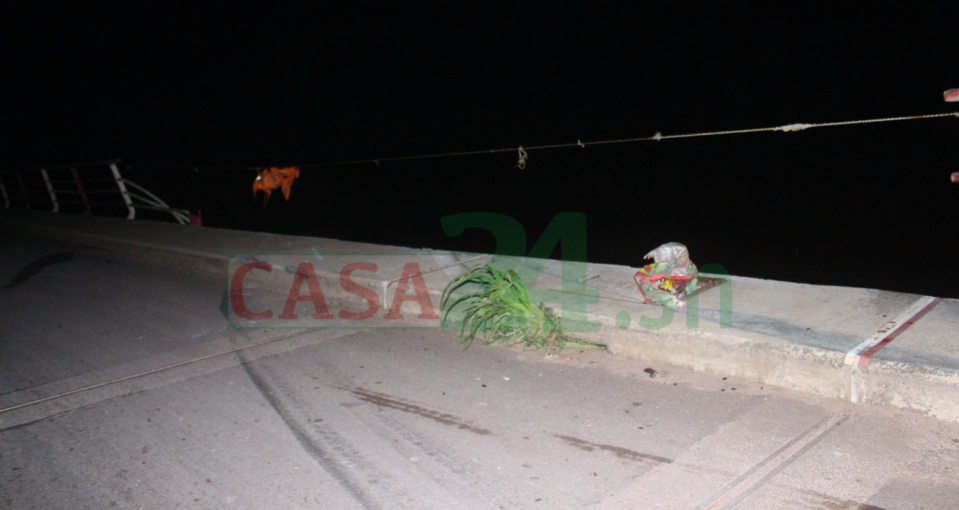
[(225, 89)]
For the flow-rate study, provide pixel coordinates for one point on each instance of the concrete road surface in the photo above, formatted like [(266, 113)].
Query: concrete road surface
[(123, 386)]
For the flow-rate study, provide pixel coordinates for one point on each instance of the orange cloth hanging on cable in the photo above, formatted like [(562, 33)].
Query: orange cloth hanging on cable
[(272, 178)]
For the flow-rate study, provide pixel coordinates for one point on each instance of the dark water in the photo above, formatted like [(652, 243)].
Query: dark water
[(880, 214)]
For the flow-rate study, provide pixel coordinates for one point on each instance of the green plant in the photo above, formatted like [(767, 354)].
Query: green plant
[(497, 305)]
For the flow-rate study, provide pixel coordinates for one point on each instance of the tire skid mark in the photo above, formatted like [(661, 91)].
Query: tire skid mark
[(820, 500), (33, 268), (383, 488), (623, 453), (626, 453), (137, 375), (351, 457), (426, 445), (389, 401), (443, 467), (323, 455)]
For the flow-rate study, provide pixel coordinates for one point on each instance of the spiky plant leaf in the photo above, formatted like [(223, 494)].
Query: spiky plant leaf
[(497, 306)]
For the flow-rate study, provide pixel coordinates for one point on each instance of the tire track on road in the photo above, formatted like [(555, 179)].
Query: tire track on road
[(323, 455)]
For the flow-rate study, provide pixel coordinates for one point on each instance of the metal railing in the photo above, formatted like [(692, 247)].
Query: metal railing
[(84, 187)]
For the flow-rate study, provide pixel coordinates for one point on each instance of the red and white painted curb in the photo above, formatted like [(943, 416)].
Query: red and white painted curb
[(860, 355)]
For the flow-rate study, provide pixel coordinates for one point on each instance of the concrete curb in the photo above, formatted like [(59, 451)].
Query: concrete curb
[(753, 354)]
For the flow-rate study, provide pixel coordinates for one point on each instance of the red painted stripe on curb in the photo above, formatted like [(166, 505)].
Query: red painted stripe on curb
[(864, 358)]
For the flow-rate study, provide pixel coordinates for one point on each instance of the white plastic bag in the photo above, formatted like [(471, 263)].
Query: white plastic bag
[(670, 278)]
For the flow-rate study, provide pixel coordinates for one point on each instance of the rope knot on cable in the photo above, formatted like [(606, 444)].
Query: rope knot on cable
[(521, 164)]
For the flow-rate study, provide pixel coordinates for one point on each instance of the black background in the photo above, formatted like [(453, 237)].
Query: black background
[(191, 98)]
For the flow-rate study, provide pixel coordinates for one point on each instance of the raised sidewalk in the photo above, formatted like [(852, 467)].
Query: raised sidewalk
[(864, 345)]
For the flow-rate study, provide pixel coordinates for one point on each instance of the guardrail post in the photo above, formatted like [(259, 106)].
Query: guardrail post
[(23, 189), (53, 196), (87, 209), (132, 193), (6, 198), (123, 191)]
